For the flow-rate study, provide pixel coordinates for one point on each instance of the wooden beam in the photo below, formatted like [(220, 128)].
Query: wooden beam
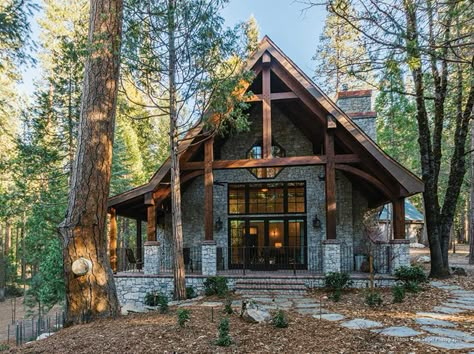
[(151, 223), (267, 114), (139, 251), (271, 162), (330, 186), (273, 97), (367, 177), (208, 189), (399, 219), (113, 239)]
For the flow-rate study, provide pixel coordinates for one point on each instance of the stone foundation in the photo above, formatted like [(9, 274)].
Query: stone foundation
[(400, 254), (331, 256), (151, 257)]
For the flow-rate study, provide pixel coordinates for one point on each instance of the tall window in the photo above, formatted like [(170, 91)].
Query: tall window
[(267, 198), (256, 152)]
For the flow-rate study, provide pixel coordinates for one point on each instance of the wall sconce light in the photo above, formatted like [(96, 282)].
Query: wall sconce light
[(278, 245), (218, 225), (316, 222)]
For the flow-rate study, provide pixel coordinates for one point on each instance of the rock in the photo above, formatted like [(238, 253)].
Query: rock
[(423, 259), (434, 322), (446, 343), (330, 317), (253, 313), (451, 333), (44, 336), (448, 310), (131, 308), (402, 331), (361, 323), (417, 245), (212, 304), (458, 271)]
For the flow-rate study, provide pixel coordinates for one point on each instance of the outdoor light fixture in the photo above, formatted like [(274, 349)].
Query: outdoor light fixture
[(218, 225), (316, 222), (278, 245)]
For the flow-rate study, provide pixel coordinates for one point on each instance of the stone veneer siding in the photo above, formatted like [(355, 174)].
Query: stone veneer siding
[(287, 135)]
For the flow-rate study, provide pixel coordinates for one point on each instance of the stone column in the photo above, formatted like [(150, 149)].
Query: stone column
[(151, 258), (331, 256), (209, 257), (400, 254)]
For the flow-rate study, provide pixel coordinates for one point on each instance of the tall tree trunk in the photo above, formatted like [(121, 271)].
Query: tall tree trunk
[(471, 204), (2, 268), (178, 268), (93, 295)]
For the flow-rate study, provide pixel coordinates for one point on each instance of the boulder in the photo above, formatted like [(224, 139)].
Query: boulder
[(458, 271), (44, 336), (423, 259), (253, 313), (417, 245), (131, 308)]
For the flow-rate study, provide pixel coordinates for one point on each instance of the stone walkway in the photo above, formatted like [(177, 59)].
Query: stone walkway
[(438, 328)]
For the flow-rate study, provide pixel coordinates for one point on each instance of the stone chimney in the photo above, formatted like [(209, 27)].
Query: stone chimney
[(359, 105)]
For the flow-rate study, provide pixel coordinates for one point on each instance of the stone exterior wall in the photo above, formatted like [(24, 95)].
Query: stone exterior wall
[(354, 102)]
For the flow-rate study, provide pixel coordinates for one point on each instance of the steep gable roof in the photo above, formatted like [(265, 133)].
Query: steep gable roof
[(405, 178)]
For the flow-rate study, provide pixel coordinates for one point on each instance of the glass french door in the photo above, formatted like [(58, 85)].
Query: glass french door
[(267, 243)]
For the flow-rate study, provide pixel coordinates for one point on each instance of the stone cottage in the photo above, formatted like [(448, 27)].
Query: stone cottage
[(286, 197)]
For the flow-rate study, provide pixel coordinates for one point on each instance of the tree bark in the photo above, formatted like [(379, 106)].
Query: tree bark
[(471, 204), (83, 231), (178, 269)]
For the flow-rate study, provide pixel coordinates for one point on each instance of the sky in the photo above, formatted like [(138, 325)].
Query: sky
[(294, 30)]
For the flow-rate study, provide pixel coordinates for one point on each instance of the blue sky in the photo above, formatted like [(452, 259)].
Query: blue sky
[(295, 31)]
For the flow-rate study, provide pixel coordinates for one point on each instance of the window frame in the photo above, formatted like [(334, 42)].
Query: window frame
[(247, 187), (253, 171)]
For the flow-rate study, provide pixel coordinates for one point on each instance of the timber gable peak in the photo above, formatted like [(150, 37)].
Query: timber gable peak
[(268, 57)]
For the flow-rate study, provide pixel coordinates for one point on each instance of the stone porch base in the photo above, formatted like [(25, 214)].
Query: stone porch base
[(132, 287)]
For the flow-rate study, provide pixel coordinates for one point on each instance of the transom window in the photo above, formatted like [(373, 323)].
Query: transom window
[(267, 198), (256, 152)]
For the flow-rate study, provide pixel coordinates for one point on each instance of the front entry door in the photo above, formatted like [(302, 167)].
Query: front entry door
[(267, 243)]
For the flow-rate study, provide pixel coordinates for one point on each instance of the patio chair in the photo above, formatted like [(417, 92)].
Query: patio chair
[(132, 263)]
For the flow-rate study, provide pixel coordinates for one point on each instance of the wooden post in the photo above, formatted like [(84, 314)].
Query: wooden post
[(151, 223), (330, 186), (399, 219), (139, 245), (208, 189), (266, 108), (113, 239)]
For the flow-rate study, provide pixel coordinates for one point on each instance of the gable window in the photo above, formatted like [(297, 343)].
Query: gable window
[(267, 198), (256, 152)]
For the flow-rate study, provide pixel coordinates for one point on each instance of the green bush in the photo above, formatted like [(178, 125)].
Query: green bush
[(411, 274), (216, 286), (4, 347), (412, 287), (228, 306), (156, 299), (373, 298), (336, 282), (398, 293), (190, 292), (183, 317), (280, 320), (224, 339)]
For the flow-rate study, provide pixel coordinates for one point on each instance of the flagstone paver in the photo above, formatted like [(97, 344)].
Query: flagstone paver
[(460, 306), (448, 310), (305, 311), (402, 331), (434, 322), (212, 303), (306, 305), (446, 343), (330, 317), (361, 323), (451, 333)]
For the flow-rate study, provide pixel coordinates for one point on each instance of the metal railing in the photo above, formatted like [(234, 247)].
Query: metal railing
[(27, 330)]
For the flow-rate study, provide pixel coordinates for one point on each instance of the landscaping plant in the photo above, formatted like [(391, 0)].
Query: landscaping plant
[(156, 299), (411, 277), (183, 317), (216, 286), (190, 292), (224, 339), (398, 293), (336, 282), (280, 320), (228, 306), (373, 298)]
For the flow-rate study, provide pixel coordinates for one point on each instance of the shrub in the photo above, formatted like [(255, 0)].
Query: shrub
[(216, 286), (190, 292), (228, 306), (183, 317), (398, 293), (411, 274), (373, 298), (224, 339), (412, 287), (156, 299), (280, 320), (336, 282), (4, 347)]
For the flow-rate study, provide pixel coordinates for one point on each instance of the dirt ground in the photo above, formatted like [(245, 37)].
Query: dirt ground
[(457, 259)]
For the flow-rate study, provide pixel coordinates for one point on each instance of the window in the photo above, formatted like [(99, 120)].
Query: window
[(256, 152), (267, 198)]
